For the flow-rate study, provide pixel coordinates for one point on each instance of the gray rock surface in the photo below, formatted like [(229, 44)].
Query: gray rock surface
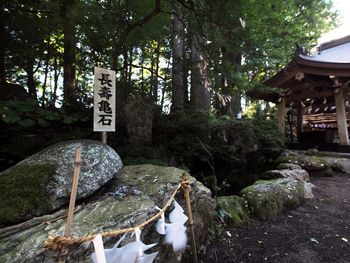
[(49, 172), (314, 164), (290, 166), (298, 174), (136, 192), (307, 162), (269, 198)]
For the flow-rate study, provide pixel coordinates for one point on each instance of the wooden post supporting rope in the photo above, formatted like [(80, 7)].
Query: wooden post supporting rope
[(186, 188), (73, 195)]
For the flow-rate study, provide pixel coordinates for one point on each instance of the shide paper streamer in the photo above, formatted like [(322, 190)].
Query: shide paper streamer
[(175, 235), (130, 253), (175, 232)]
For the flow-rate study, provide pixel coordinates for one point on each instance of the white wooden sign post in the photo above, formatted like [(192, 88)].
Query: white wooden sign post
[(104, 101)]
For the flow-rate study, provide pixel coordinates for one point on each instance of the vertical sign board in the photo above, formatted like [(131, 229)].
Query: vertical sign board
[(104, 100)]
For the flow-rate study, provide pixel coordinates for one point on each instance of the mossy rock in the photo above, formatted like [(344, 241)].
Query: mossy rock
[(269, 198), (309, 163), (23, 192), (290, 166), (298, 174), (233, 210), (42, 182), (339, 165), (105, 213)]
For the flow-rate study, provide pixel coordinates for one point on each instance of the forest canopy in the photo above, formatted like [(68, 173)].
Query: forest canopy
[(183, 69), (170, 51)]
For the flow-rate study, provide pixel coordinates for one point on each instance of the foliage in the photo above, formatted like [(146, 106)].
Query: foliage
[(128, 36), (240, 46), (27, 114), (224, 153)]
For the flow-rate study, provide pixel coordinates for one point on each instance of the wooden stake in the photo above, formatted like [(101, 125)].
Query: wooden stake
[(73, 194), (104, 137), (190, 218)]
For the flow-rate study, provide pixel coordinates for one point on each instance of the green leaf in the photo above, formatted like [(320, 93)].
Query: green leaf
[(69, 120), (26, 123), (43, 123), (10, 117)]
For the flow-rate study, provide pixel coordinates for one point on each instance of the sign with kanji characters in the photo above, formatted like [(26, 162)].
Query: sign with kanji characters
[(104, 100)]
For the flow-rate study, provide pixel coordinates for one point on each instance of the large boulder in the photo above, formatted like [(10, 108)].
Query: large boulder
[(298, 174), (42, 182), (132, 198), (269, 198), (315, 165), (338, 164)]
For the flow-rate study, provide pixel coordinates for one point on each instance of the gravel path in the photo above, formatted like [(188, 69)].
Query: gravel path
[(318, 231)]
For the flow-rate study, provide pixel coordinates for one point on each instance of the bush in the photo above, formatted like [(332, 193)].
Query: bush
[(225, 154)]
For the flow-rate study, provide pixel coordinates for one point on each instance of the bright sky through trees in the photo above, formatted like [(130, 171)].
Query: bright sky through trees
[(343, 7)]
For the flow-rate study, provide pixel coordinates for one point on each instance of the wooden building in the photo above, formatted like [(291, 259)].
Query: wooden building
[(315, 93)]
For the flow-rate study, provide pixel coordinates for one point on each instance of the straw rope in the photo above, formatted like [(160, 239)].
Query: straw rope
[(61, 244)]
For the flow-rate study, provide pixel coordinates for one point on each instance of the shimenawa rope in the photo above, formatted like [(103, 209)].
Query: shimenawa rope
[(61, 244)]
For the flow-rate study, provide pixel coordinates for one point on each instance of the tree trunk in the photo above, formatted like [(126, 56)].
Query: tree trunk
[(46, 70), (142, 62), (150, 91), (177, 102), (45, 81), (56, 75), (130, 66), (30, 78), (2, 46), (69, 86), (230, 89), (200, 88), (185, 65), (155, 80), (125, 66)]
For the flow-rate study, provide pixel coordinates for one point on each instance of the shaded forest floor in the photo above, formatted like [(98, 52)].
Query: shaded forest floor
[(318, 231)]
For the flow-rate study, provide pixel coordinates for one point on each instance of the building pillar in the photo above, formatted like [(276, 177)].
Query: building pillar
[(299, 120), (341, 116), (281, 115)]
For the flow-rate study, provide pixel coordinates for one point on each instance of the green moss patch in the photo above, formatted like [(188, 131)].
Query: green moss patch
[(269, 198), (309, 163), (233, 210), (23, 192)]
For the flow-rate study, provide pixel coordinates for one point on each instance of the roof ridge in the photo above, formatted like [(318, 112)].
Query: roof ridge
[(334, 43)]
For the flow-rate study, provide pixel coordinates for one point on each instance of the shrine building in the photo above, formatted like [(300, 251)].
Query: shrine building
[(314, 97)]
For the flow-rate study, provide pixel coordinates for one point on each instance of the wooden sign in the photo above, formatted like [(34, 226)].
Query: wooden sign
[(104, 100)]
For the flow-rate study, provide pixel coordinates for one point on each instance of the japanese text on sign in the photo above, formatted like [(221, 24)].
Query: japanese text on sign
[(104, 100)]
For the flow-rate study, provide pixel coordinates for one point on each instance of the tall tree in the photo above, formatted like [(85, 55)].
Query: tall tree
[(177, 102), (69, 85), (3, 42), (200, 86)]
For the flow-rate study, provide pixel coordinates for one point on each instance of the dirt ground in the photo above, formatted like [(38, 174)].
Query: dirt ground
[(318, 231)]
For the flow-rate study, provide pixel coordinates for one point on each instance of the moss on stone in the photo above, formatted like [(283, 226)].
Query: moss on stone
[(23, 192), (268, 198), (290, 166), (309, 163), (233, 210), (262, 204)]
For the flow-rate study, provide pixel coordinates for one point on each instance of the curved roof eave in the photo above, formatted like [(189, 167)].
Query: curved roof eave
[(309, 66)]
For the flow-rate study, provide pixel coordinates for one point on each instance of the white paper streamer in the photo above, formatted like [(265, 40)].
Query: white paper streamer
[(99, 250)]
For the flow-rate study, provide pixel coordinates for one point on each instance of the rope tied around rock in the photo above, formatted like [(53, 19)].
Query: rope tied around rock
[(61, 244)]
